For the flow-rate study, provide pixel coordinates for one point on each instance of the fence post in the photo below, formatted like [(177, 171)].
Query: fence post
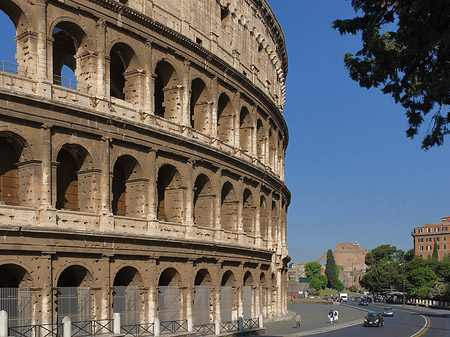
[(157, 330), (241, 323), (3, 323), (217, 327), (67, 326), (261, 322), (190, 324), (116, 323)]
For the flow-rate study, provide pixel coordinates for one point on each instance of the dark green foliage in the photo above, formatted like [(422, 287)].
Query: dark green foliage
[(312, 269), (406, 53), (435, 251), (330, 269), (380, 255)]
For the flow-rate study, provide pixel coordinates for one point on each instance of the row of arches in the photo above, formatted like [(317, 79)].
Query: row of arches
[(210, 204), (167, 88), (77, 294)]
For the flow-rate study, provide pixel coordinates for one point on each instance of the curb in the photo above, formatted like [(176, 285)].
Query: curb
[(326, 329)]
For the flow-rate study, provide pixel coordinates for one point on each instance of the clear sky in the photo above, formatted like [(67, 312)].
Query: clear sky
[(353, 174)]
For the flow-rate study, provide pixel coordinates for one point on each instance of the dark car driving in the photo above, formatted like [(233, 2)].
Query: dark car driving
[(363, 302), (374, 319)]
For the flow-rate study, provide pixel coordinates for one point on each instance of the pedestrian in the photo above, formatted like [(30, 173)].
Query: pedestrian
[(330, 316), (298, 320), (291, 299), (336, 315)]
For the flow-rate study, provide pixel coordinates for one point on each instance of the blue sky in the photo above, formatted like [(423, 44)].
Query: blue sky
[(353, 174)]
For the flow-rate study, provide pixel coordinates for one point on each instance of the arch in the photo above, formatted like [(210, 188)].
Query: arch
[(128, 276), (246, 130), (123, 60), (169, 277), (203, 201), (127, 187), (14, 276), (167, 93), (248, 279), (262, 278), (202, 278), (225, 119), (260, 141), (263, 221), (75, 276), (170, 194), (9, 173), (228, 279), (68, 39), (199, 107), (10, 15), (248, 212), (228, 210)]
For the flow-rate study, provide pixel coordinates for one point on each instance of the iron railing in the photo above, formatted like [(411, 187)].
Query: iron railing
[(250, 323), (8, 67), (92, 328), (205, 329), (39, 330), (172, 327), (229, 326), (138, 330), (70, 83)]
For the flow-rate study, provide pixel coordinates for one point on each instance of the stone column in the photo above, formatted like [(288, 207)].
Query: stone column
[(217, 185), (189, 194), (254, 117), (258, 235), (151, 186), (46, 177), (148, 80), (106, 218), (240, 207), (151, 278), (100, 35), (103, 293), (45, 275), (185, 110), (215, 100), (236, 122)]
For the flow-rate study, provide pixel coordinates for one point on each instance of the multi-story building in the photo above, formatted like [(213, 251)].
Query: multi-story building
[(424, 238), (151, 185)]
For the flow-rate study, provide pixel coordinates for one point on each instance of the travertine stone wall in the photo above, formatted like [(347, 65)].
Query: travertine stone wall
[(161, 163)]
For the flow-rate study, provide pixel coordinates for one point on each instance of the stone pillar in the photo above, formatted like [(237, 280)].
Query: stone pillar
[(45, 305), (185, 110), (100, 35), (279, 301), (258, 235), (189, 194), (43, 71), (148, 80), (106, 218), (151, 278), (151, 186), (240, 207), (218, 203), (215, 100), (103, 294), (254, 117), (46, 176), (236, 105)]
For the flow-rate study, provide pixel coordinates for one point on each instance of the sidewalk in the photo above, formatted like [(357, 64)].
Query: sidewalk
[(315, 320)]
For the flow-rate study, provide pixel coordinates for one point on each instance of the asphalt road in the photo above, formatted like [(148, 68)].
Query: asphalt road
[(407, 322)]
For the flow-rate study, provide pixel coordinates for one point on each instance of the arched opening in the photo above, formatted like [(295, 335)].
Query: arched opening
[(228, 210), (67, 182), (225, 119), (263, 221), (73, 298), (274, 222), (127, 188), (68, 38), (260, 141), (9, 174), (248, 216), (15, 299), (123, 83), (272, 150), (170, 194), (199, 107), (228, 297), (263, 292), (245, 132), (273, 289), (167, 93), (169, 298), (247, 299), (202, 298), (203, 202), (126, 297)]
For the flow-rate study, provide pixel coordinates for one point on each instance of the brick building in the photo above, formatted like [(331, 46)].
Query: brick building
[(424, 238)]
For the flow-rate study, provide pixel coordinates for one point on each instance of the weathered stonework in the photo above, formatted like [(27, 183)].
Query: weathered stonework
[(163, 165)]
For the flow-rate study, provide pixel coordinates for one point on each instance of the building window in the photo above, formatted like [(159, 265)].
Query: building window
[(428, 247), (445, 246), (436, 229), (429, 230), (436, 239), (421, 248), (428, 239), (420, 240), (445, 238), (420, 230)]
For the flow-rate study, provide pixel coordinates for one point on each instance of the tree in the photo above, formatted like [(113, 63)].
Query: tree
[(435, 254), (405, 52), (330, 269), (312, 269), (380, 255), (315, 284)]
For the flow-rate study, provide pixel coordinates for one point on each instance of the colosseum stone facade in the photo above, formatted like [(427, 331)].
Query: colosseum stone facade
[(151, 184)]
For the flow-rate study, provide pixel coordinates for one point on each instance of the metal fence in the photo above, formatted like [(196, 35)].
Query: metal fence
[(70, 83), (41, 330), (247, 302), (250, 323), (138, 330), (205, 329), (226, 303), (229, 326), (201, 305), (168, 303), (126, 302), (172, 327), (9, 67), (17, 303), (75, 302)]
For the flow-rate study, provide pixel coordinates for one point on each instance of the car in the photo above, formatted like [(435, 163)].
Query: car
[(388, 311), (373, 319), (363, 302)]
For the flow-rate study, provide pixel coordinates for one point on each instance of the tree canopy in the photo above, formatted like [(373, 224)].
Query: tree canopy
[(406, 53), (330, 269), (312, 269)]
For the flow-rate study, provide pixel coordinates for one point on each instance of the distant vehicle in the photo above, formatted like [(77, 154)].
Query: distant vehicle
[(343, 297), (373, 319), (363, 302), (388, 311)]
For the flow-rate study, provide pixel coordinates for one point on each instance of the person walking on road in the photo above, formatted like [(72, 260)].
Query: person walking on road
[(330, 316), (336, 315), (298, 320)]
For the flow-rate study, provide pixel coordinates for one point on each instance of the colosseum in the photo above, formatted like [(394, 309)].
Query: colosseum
[(142, 148)]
